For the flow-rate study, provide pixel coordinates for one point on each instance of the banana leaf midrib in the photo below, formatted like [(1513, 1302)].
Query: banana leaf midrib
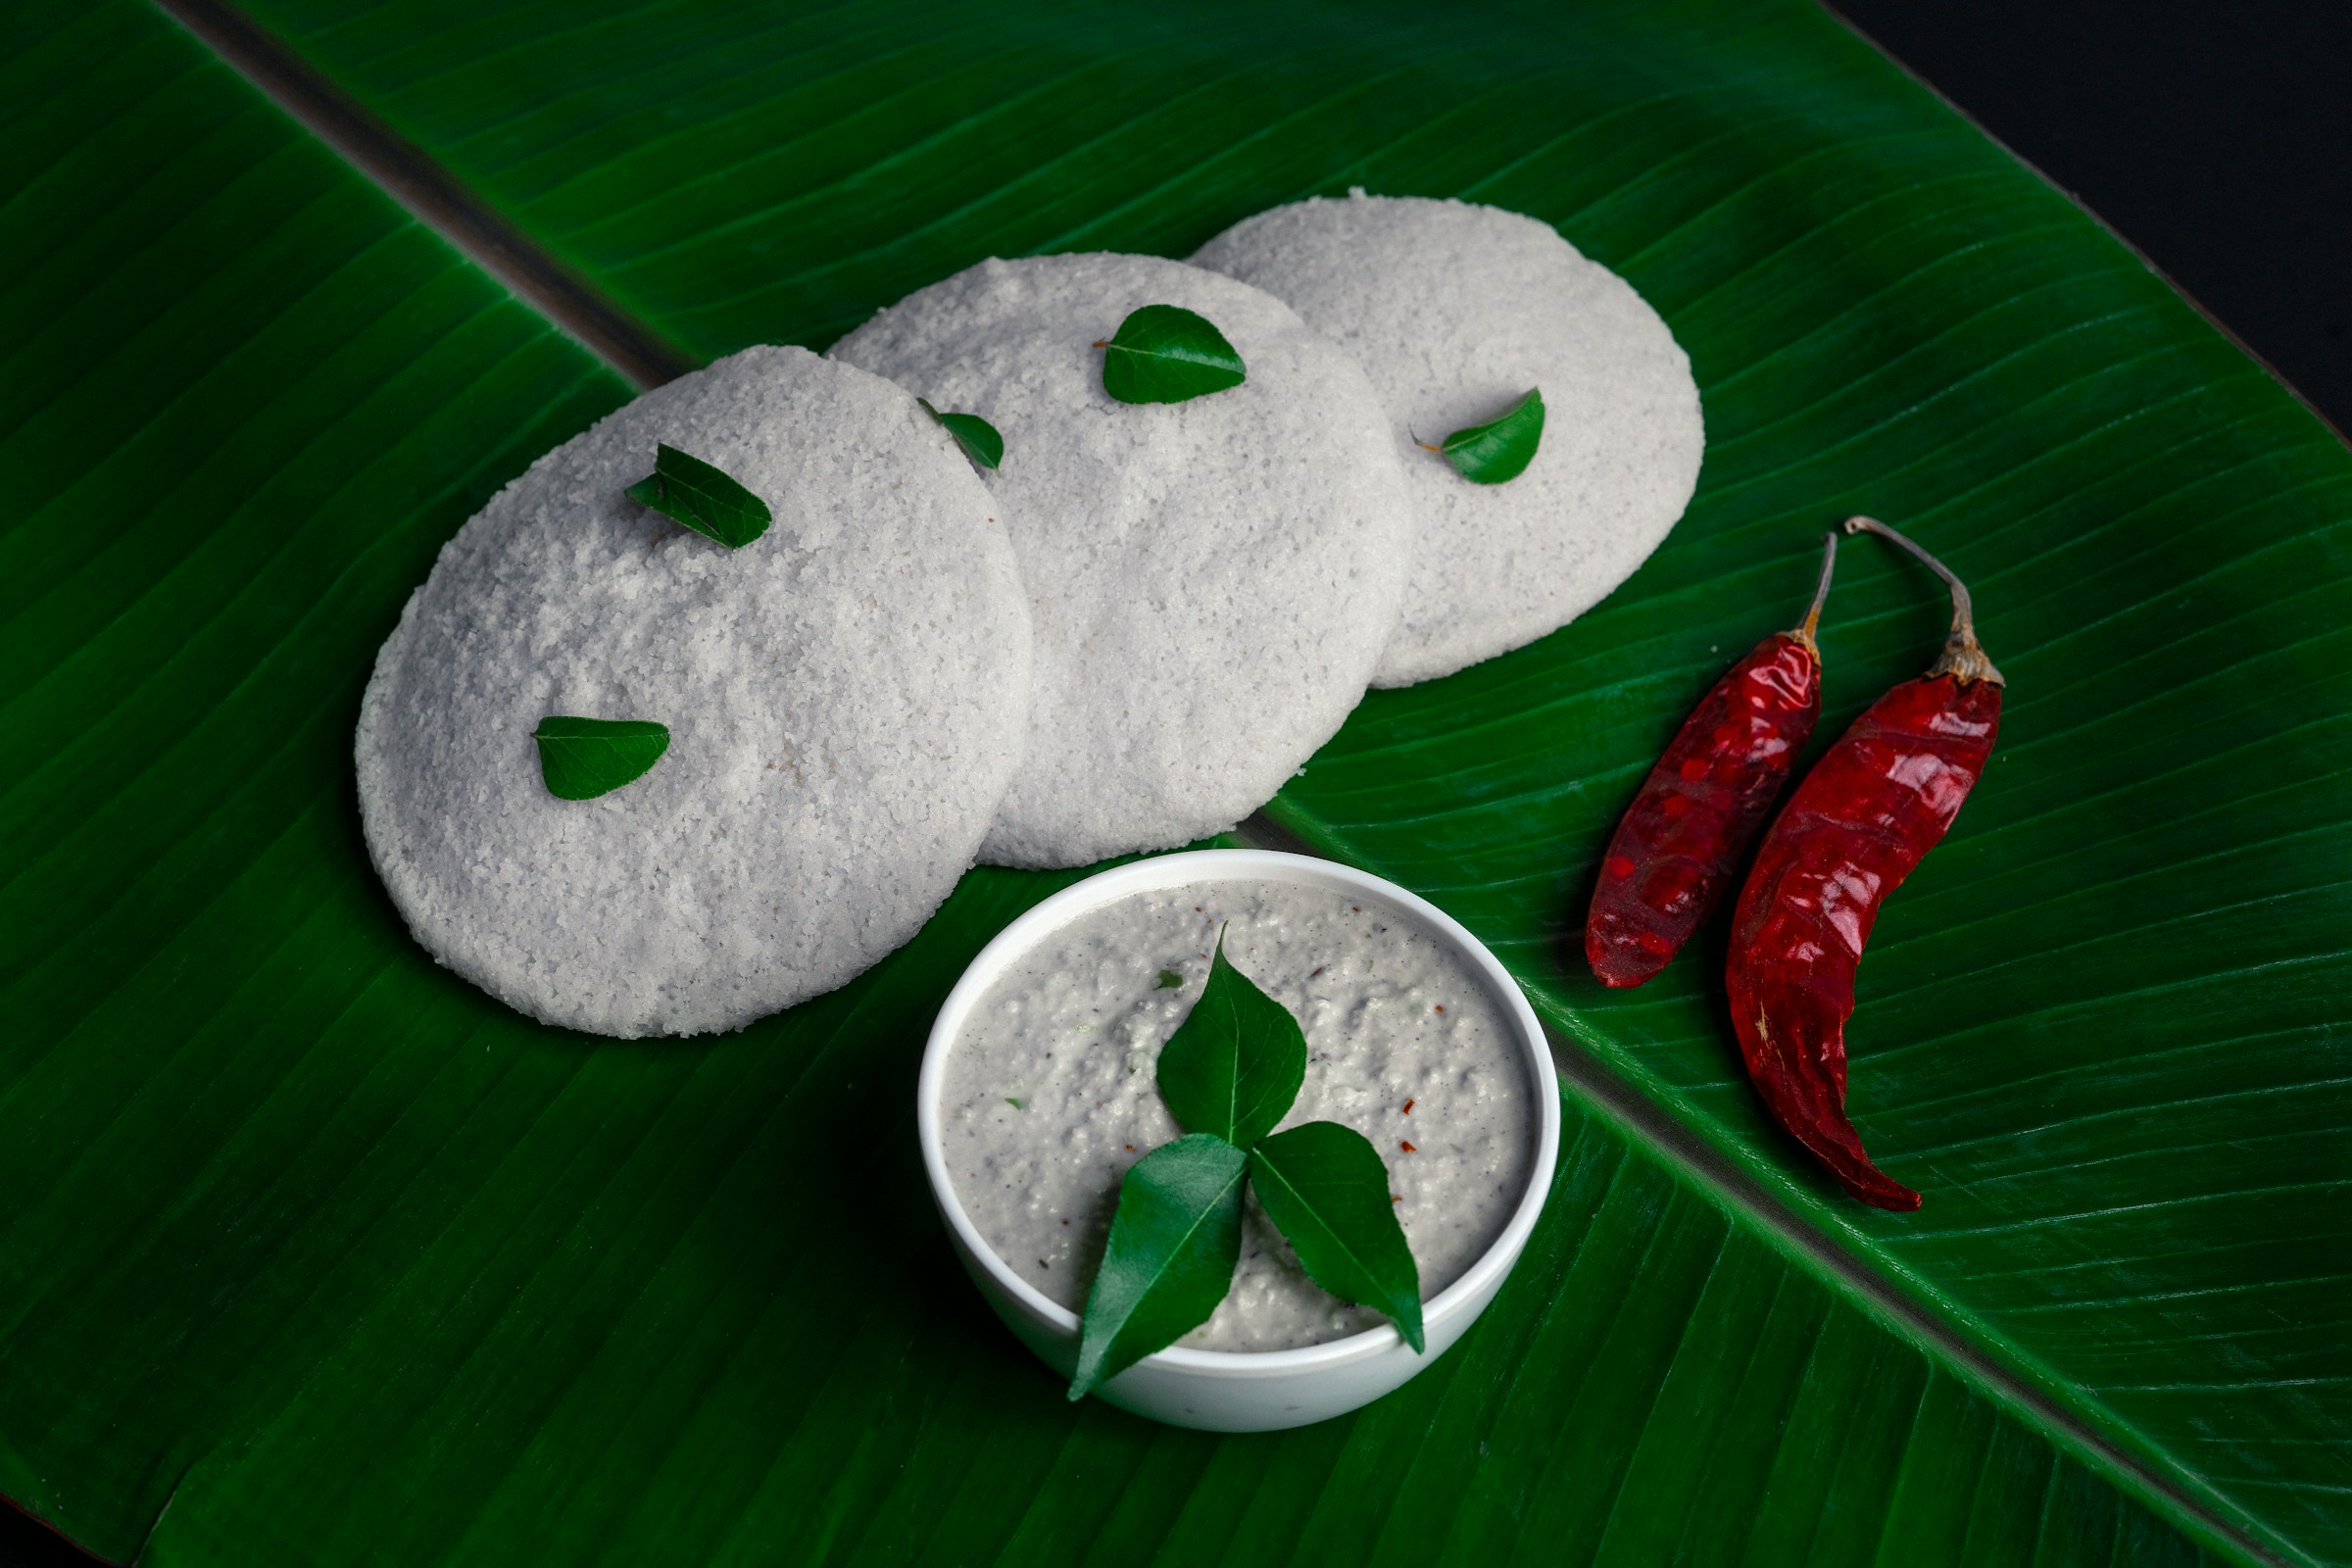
[(436, 197)]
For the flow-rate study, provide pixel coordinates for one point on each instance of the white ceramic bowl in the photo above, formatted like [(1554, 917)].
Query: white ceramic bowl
[(1222, 1391)]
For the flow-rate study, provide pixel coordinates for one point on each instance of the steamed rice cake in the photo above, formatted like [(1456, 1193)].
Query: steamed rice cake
[(845, 696), (1455, 310), (1210, 581)]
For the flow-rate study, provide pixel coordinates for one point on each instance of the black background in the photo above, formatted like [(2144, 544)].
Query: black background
[(2215, 138)]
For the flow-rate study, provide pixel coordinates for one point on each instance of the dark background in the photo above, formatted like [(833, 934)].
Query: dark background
[(2215, 138)]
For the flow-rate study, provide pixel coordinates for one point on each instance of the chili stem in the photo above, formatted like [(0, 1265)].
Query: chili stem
[(1963, 656), (1821, 594)]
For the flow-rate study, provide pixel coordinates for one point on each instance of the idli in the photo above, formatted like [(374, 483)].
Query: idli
[(1455, 312), (1211, 580), (845, 697)]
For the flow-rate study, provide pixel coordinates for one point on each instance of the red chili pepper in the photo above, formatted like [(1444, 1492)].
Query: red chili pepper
[(1876, 802), (1678, 843)]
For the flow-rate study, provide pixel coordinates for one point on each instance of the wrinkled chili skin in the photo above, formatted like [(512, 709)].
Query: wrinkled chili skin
[(1876, 802), (1677, 845)]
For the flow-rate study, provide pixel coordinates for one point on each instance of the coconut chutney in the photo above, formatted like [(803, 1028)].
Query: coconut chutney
[(1049, 1092), (1455, 310)]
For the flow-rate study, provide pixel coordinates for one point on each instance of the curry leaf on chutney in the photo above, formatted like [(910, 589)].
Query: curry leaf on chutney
[(1174, 1240), (1235, 1063), (1326, 1188)]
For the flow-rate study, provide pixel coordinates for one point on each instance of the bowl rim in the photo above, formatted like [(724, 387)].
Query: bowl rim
[(1176, 870)]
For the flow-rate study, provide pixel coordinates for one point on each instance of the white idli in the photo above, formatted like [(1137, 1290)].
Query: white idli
[(1211, 581), (845, 697), (1454, 311)]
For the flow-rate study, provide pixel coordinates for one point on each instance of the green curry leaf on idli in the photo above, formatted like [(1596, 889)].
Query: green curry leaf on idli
[(704, 497), (584, 757), (978, 437), (1500, 449), (1167, 354)]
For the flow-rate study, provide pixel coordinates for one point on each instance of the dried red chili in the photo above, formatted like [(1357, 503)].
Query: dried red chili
[(1678, 844), (1877, 801)]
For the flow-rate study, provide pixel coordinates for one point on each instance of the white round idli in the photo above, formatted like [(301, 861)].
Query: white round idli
[(1455, 310), (1211, 581), (845, 697)]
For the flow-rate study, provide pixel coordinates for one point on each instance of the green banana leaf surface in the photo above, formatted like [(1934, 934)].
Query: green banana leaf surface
[(311, 1253)]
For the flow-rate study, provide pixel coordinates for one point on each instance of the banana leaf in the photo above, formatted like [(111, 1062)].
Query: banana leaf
[(313, 1253)]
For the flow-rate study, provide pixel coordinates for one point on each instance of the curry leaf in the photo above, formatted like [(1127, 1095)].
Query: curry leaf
[(1325, 1189), (1167, 354), (1500, 449), (1235, 1063), (1174, 1242), (703, 497), (584, 757), (978, 437)]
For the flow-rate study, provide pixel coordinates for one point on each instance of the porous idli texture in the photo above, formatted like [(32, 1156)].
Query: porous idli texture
[(1210, 581), (845, 696), (1455, 310)]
